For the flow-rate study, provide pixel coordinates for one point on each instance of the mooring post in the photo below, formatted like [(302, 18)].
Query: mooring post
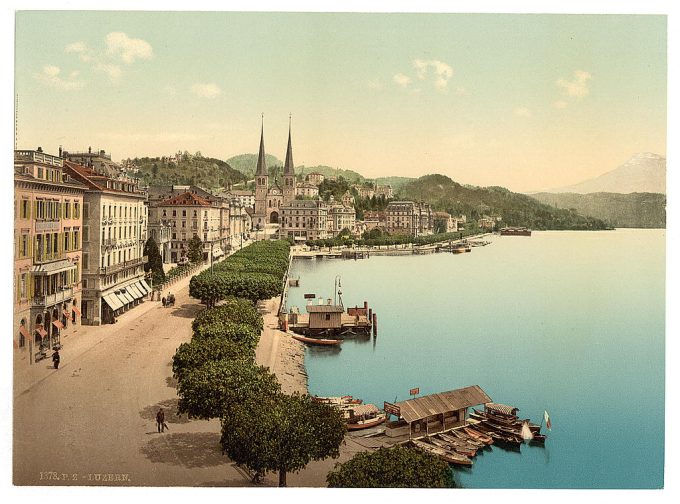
[(375, 324)]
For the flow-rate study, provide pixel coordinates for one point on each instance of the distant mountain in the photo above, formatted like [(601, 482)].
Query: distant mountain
[(635, 210), (247, 163), (514, 209), (643, 173)]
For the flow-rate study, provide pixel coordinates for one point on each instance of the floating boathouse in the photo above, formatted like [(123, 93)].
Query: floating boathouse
[(434, 413)]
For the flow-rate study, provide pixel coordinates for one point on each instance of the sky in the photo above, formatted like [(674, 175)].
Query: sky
[(523, 101)]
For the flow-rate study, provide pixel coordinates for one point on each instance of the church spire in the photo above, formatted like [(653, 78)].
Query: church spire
[(261, 163), (289, 167)]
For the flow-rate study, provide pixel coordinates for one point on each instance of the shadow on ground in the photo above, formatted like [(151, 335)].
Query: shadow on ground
[(188, 449), (169, 408), (187, 310)]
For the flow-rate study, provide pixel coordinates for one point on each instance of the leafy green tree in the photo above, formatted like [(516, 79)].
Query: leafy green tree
[(217, 387), (397, 467), (155, 263), (200, 350), (282, 433), (233, 310), (195, 250)]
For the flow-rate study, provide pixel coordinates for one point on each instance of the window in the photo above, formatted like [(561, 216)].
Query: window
[(86, 260), (184, 213), (76, 209), (23, 245), (328, 316), (67, 209), (86, 210), (76, 238), (24, 208), (86, 233), (66, 241), (174, 213), (84, 283)]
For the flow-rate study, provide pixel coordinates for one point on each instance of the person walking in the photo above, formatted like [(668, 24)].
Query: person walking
[(160, 420), (163, 302), (56, 359)]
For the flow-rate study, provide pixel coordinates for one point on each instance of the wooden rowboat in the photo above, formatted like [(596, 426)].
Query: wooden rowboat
[(367, 423), (316, 341), (456, 447), (448, 456), (458, 436), (475, 434)]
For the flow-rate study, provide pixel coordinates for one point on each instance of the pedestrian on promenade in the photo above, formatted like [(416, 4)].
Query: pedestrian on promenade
[(163, 302), (56, 359), (160, 420)]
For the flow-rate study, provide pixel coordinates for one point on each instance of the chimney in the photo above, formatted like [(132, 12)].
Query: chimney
[(60, 151), (39, 149)]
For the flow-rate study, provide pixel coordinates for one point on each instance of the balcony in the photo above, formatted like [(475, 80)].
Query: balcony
[(108, 270), (39, 257), (51, 299)]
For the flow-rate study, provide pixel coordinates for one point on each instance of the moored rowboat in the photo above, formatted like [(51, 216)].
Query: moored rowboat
[(316, 341)]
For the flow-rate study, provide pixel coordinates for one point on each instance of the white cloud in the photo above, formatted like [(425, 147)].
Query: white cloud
[(439, 71), (127, 49), (577, 87), (80, 48), (560, 104), (50, 76), (522, 112), (402, 80), (207, 90), (113, 71)]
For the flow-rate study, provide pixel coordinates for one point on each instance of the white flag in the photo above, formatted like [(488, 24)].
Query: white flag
[(546, 417), (526, 432)]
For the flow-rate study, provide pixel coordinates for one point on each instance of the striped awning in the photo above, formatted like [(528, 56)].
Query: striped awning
[(23, 331), (57, 324), (42, 332), (113, 301), (75, 309), (145, 285), (141, 288), (138, 294), (66, 313)]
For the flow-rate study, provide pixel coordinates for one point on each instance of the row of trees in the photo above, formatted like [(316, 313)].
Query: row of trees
[(255, 272), (263, 429), (376, 238)]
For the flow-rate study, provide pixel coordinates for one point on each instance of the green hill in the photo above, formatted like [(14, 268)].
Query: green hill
[(328, 171), (635, 210), (209, 173), (515, 209), (247, 163), (396, 182)]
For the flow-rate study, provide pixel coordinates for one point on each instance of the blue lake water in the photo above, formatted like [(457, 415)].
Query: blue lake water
[(568, 322)]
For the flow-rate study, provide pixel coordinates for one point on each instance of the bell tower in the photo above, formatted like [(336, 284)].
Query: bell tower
[(261, 184), (289, 171)]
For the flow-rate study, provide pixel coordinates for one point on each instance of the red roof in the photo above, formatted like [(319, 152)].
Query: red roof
[(186, 199), (93, 180)]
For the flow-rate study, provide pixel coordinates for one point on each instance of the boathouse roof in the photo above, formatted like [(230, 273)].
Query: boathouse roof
[(325, 309), (436, 404)]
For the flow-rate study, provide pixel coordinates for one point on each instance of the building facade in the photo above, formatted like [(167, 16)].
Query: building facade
[(304, 220), (99, 161), (306, 190), (114, 232), (186, 215), (341, 217), (410, 218), (48, 223), (314, 178)]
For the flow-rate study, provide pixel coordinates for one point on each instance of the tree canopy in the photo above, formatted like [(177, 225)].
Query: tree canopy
[(397, 467), (155, 262), (281, 433), (195, 250)]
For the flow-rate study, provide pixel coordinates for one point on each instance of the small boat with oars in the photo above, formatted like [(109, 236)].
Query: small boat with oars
[(458, 436), (456, 447), (346, 400), (475, 434), (363, 416), (316, 341), (447, 455)]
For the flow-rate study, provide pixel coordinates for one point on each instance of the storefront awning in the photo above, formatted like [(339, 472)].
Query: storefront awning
[(113, 301), (75, 309), (137, 293), (66, 313), (57, 324), (145, 285), (42, 332), (52, 267), (141, 288), (125, 297), (24, 331)]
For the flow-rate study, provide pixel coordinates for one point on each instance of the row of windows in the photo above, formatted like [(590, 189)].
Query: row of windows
[(49, 209), (115, 211), (48, 245), (124, 232), (184, 213)]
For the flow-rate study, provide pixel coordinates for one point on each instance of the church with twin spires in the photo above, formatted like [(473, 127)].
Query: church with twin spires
[(270, 199)]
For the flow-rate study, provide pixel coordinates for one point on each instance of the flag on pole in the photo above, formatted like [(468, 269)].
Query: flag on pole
[(546, 417)]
